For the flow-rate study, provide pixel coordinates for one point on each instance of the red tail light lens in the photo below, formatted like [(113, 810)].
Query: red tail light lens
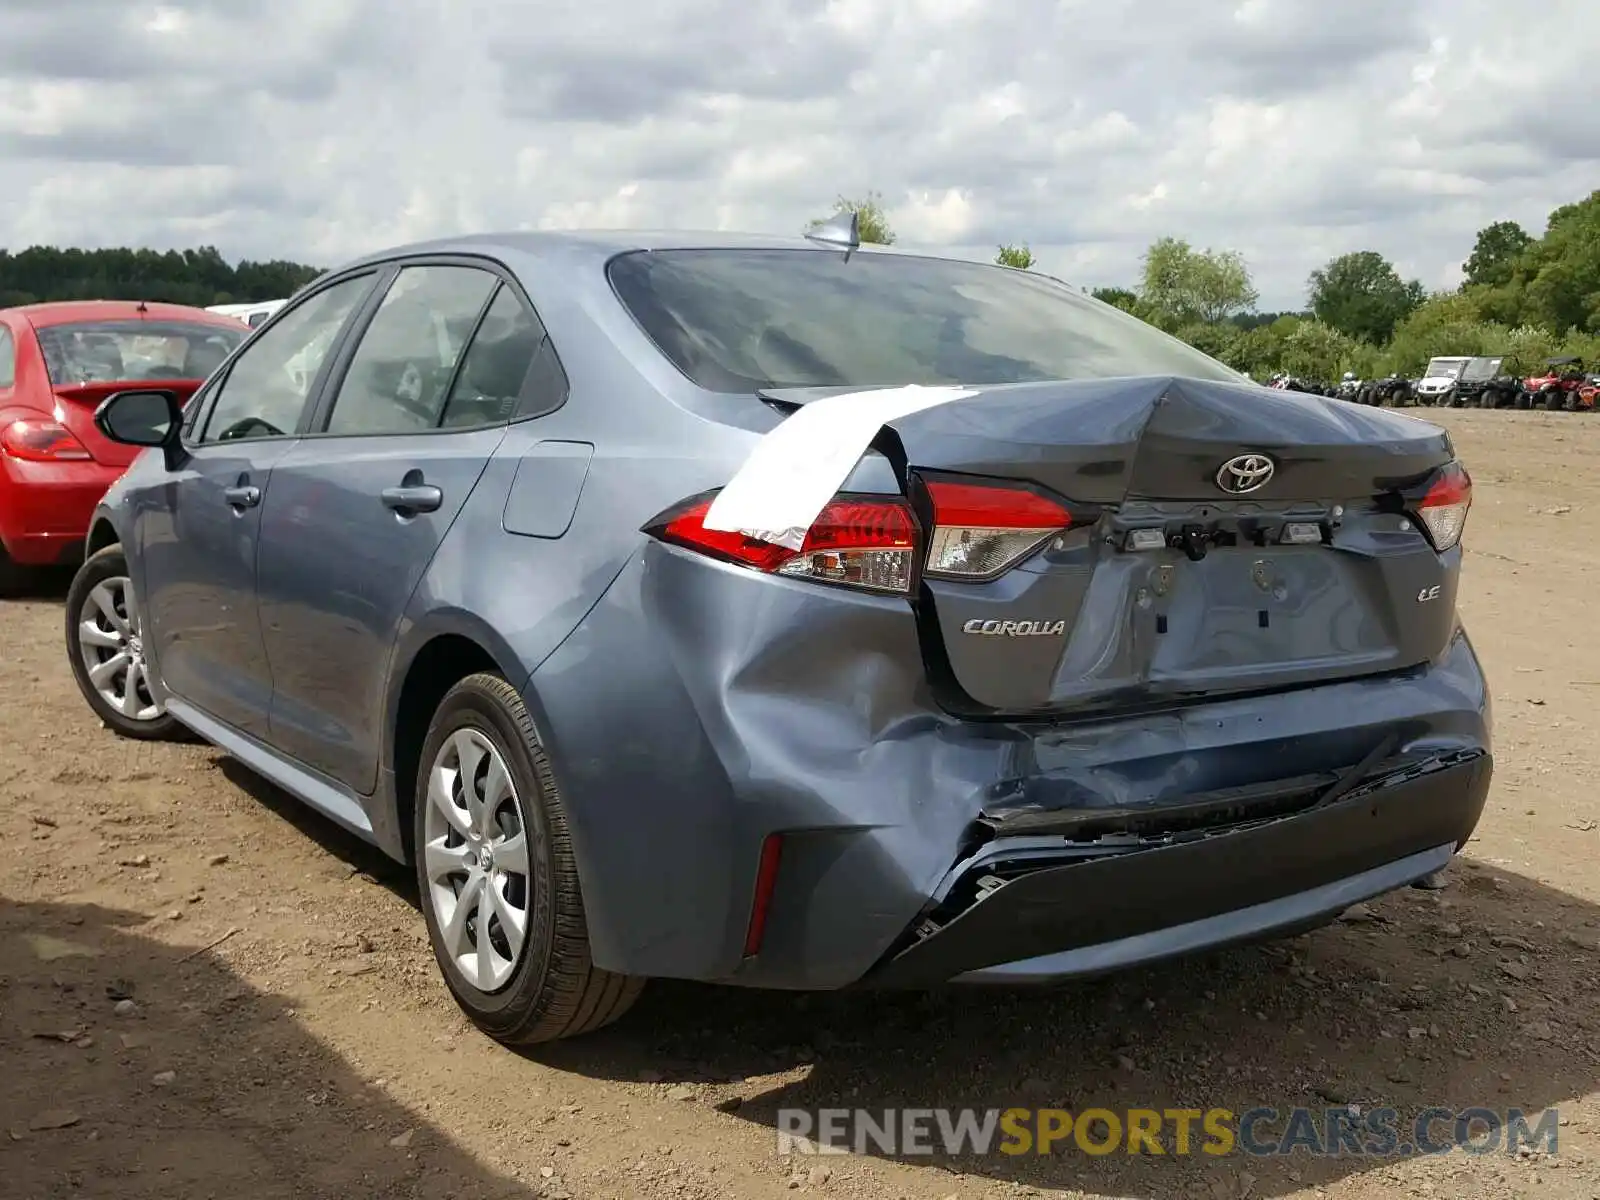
[(867, 542), (41, 440), (982, 530), (1444, 506)]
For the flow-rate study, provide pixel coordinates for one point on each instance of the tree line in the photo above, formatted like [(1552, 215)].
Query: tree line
[(1523, 297), (198, 277)]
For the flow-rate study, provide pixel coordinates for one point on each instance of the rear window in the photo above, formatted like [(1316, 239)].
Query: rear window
[(133, 351), (744, 320)]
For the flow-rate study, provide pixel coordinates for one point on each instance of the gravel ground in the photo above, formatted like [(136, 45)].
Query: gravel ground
[(207, 991)]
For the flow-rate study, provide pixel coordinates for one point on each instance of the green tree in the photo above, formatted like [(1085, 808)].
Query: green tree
[(1183, 285), (1562, 270), (199, 276), (1443, 325), (1362, 295), (1121, 298), (872, 218), (1019, 257), (1496, 253)]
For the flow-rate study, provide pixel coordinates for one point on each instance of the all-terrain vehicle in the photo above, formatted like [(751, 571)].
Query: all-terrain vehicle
[(1485, 383), (1394, 391), (1557, 389), (1349, 388)]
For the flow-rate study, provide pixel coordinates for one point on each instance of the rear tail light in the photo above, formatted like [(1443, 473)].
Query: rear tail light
[(867, 542), (982, 530), (1443, 507), (41, 440)]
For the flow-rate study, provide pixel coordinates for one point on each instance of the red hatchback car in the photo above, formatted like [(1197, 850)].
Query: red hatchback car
[(57, 363)]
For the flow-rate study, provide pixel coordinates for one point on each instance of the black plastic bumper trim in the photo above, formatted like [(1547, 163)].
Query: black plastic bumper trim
[(1090, 903)]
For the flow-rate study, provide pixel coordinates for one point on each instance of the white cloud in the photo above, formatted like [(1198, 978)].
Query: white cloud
[(1291, 130)]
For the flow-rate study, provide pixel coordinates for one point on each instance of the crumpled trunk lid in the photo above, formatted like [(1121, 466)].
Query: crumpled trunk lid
[(1303, 572)]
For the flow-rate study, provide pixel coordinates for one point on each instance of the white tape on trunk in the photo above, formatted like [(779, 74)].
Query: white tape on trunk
[(797, 468)]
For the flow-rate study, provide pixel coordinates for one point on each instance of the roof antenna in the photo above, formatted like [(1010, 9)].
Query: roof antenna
[(141, 307), (842, 230)]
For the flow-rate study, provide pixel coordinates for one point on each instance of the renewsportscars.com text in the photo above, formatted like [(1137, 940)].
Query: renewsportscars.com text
[(1344, 1131)]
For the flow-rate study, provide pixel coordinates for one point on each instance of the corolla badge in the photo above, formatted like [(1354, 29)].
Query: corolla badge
[(1014, 628), (1245, 473)]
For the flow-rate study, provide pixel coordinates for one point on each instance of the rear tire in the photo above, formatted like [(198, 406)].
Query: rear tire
[(1554, 400), (485, 793), (106, 653)]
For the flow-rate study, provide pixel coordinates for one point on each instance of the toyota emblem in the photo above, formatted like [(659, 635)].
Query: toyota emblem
[(1245, 473)]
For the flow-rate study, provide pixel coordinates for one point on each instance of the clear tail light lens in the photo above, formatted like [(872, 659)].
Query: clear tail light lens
[(867, 542), (982, 530), (1443, 507), (41, 440)]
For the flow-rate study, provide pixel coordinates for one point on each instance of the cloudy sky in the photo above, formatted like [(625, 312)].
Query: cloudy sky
[(317, 129)]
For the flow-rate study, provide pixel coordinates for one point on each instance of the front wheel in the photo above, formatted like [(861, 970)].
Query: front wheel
[(498, 878), (105, 650)]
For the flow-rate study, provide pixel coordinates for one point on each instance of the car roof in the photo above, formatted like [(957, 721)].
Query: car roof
[(68, 312), (600, 245)]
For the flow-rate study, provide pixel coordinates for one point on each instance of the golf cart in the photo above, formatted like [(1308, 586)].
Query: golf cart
[(1438, 383)]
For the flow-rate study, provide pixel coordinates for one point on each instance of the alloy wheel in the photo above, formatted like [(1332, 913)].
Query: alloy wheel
[(476, 859), (112, 651)]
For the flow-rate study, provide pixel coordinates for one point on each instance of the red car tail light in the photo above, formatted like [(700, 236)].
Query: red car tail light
[(982, 530), (1444, 506), (867, 542), (37, 439)]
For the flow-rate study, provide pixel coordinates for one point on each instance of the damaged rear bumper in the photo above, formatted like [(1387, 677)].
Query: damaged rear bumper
[(1024, 910)]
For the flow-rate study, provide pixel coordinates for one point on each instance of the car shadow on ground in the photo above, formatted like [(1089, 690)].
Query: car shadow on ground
[(1408, 1006), (361, 857), (198, 1086), (1477, 996), (45, 584)]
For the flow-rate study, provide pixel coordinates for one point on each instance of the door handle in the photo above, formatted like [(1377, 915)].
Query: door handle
[(244, 496), (421, 498)]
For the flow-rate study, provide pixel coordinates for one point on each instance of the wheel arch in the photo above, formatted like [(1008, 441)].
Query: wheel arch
[(432, 658), (102, 533)]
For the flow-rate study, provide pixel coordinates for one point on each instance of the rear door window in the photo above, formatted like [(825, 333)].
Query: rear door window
[(400, 376), (497, 370)]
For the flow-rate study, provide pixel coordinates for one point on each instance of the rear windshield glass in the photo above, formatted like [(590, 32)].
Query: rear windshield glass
[(133, 351), (743, 320)]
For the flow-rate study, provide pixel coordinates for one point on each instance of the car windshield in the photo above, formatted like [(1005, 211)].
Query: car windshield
[(1482, 368), (1444, 368), (745, 320), (132, 351)]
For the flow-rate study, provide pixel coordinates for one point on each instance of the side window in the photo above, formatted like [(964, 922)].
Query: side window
[(401, 370), (8, 359), (267, 385), (496, 365)]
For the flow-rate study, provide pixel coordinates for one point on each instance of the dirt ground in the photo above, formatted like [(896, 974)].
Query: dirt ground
[(207, 991)]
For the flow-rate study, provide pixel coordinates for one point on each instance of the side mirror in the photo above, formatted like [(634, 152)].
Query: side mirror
[(144, 417)]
